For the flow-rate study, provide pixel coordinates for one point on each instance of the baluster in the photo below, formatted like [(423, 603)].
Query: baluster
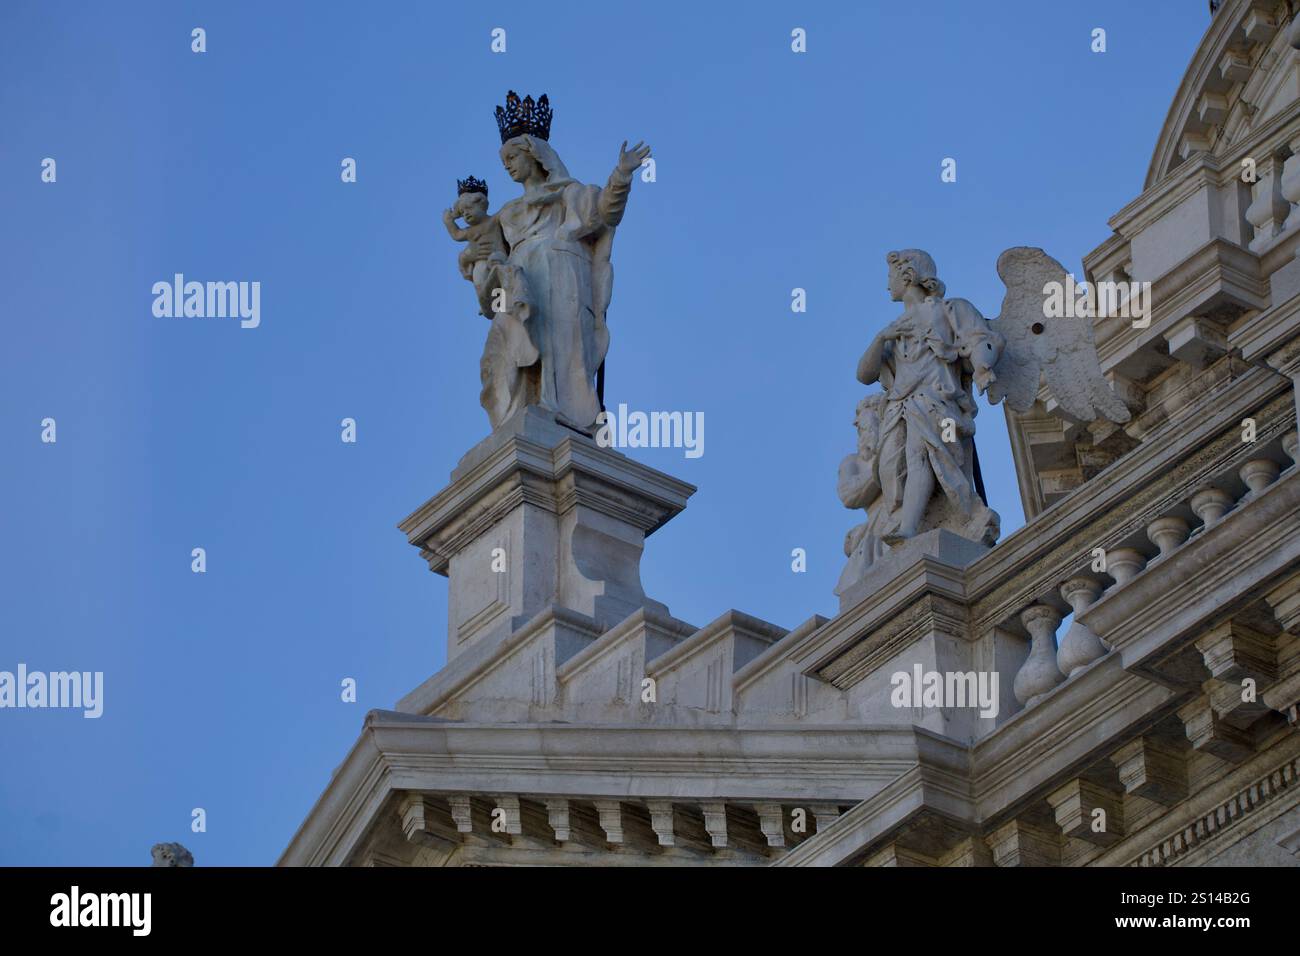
[(1039, 674), (1080, 646)]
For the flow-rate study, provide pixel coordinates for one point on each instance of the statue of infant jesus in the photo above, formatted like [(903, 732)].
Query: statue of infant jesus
[(486, 242)]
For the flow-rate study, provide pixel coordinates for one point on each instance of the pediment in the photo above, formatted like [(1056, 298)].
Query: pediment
[(1244, 73)]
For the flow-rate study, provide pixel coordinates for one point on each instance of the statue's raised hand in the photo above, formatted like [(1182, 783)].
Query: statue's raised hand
[(630, 160)]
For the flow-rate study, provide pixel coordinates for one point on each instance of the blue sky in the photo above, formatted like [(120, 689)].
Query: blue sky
[(774, 171)]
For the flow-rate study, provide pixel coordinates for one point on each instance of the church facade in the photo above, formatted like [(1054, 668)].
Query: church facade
[(1116, 683)]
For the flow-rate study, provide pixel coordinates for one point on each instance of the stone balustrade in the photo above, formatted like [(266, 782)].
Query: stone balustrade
[(1050, 664)]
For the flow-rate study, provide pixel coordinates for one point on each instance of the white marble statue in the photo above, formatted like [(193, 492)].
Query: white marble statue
[(914, 467), (481, 231), (548, 294)]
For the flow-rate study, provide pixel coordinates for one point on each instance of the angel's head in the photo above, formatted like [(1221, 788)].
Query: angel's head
[(912, 267), (867, 420)]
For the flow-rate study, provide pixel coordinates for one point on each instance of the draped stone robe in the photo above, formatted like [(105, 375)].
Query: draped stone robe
[(560, 237)]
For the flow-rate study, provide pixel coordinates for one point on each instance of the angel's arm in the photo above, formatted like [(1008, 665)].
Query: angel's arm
[(877, 353), (857, 485)]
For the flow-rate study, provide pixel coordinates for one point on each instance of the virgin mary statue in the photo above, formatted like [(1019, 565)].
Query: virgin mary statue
[(549, 337)]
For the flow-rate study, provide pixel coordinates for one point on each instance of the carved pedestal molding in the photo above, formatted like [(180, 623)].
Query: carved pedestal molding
[(411, 810), (1284, 599), (611, 819), (1242, 662), (1211, 504), (1124, 564), (1234, 704), (663, 820), (824, 814), (1239, 806), (1284, 695), (1040, 672), (1286, 361), (557, 816), (1259, 473), (1211, 734), (894, 855), (426, 823), (462, 812), (1153, 768), (1232, 650), (715, 823), (1197, 341), (1235, 65), (1025, 843), (1167, 534), (1088, 811), (771, 820), (1268, 209), (972, 851), (1289, 185), (508, 811), (538, 515), (1080, 646)]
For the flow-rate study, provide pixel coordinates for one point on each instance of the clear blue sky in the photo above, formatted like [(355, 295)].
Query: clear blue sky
[(775, 170)]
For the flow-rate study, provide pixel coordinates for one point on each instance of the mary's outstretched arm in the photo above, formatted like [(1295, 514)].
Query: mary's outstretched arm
[(613, 198)]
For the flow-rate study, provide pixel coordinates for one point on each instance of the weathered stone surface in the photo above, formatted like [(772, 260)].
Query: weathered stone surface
[(593, 728)]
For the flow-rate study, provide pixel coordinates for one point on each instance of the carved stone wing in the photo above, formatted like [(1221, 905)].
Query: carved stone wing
[(1061, 351)]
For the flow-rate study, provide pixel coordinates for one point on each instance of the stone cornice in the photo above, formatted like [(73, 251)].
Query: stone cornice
[(1201, 71), (574, 472), (1254, 795), (344, 809), (1071, 728), (480, 660), (929, 613), (1269, 330), (1006, 772), (642, 621), (1199, 171), (1217, 274), (937, 784), (731, 622), (591, 761), (882, 609), (774, 655)]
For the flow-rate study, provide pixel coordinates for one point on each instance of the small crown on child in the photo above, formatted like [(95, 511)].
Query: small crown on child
[(470, 185)]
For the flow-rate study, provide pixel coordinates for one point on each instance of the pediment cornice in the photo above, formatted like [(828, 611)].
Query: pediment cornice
[(1236, 68)]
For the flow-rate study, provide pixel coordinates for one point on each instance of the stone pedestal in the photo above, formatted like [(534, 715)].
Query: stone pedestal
[(539, 515)]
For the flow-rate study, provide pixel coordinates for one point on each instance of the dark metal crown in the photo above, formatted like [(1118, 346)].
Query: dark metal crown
[(470, 185), (518, 117)]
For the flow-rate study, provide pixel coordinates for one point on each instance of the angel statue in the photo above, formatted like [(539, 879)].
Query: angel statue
[(547, 295), (916, 437)]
